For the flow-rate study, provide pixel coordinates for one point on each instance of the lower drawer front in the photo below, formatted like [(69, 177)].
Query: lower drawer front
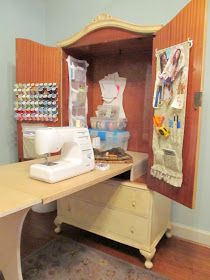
[(90, 217), (113, 194)]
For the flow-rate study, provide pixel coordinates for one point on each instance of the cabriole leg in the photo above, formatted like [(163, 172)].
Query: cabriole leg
[(169, 231), (148, 256), (58, 223)]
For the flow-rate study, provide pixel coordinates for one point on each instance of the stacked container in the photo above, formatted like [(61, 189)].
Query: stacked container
[(109, 128)]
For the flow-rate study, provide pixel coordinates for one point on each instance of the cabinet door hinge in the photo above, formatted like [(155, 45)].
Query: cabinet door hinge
[(198, 99)]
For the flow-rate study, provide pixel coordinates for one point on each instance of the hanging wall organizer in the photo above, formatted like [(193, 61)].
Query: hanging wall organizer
[(78, 106), (169, 103)]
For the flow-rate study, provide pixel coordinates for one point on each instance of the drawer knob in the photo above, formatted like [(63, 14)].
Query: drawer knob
[(134, 203)]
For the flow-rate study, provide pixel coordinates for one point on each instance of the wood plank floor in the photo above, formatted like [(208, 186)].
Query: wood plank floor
[(175, 258)]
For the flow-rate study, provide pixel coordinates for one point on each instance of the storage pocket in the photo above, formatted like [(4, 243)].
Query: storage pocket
[(171, 160), (159, 157), (81, 98), (78, 97)]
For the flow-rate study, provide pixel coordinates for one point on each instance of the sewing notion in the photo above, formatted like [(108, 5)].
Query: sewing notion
[(36, 102)]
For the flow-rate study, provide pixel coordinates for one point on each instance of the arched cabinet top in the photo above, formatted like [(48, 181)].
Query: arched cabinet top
[(103, 21)]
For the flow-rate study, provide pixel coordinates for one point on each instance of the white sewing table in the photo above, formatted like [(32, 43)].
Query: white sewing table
[(18, 192)]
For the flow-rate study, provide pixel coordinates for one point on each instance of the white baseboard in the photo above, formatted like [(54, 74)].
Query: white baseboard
[(195, 235)]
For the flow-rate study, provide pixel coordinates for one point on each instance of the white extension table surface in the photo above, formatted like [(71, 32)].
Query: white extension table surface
[(18, 192)]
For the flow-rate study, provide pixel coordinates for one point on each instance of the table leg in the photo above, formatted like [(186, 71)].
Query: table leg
[(10, 237)]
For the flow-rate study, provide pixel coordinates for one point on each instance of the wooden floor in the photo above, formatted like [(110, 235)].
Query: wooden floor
[(175, 258)]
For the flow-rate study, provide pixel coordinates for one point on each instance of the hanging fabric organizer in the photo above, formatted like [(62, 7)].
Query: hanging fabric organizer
[(78, 88), (169, 103)]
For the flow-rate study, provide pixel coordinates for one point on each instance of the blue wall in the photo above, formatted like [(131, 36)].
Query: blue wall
[(22, 18), (66, 17)]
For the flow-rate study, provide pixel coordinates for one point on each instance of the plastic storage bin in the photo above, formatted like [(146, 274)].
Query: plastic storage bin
[(111, 139), (28, 131), (108, 124), (107, 111), (45, 208)]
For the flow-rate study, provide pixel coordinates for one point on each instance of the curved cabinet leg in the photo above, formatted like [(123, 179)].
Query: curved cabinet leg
[(10, 237), (169, 231), (58, 223), (148, 256)]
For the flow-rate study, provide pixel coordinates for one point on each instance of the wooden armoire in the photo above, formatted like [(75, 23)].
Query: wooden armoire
[(134, 213)]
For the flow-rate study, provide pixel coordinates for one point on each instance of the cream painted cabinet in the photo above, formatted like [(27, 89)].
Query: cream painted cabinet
[(123, 211)]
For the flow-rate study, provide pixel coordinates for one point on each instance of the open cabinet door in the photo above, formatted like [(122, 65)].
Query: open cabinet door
[(36, 63), (190, 23)]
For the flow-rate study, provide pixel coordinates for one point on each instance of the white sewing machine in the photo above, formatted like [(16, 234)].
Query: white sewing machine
[(76, 153)]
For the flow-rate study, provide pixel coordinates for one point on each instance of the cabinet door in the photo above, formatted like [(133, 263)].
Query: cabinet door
[(36, 63), (189, 23)]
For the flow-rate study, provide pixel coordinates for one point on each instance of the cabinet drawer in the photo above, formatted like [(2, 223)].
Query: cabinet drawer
[(92, 218), (113, 194)]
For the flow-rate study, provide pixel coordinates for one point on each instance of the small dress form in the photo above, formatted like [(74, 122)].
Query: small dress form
[(112, 88)]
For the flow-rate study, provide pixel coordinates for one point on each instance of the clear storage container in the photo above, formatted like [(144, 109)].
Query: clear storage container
[(108, 124), (111, 139), (107, 111)]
